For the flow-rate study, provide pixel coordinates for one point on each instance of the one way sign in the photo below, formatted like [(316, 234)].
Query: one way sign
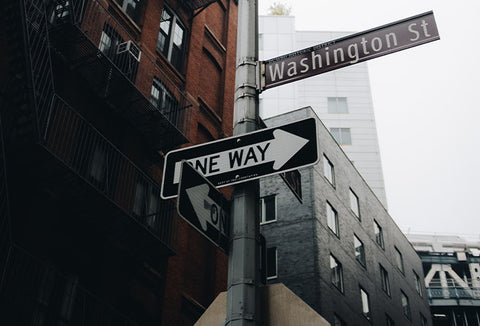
[(203, 206), (250, 156)]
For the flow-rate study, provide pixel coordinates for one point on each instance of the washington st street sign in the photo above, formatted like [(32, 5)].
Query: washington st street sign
[(349, 50)]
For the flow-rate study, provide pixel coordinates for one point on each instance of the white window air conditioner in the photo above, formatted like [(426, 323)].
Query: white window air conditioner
[(131, 48)]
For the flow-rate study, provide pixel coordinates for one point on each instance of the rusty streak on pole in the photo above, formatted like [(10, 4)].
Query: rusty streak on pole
[(243, 271)]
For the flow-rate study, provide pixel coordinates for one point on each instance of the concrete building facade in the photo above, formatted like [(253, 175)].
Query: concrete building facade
[(338, 249), (341, 98), (93, 93), (452, 277)]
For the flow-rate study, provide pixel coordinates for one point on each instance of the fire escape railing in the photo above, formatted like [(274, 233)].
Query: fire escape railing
[(456, 292), (114, 42), (35, 293), (76, 143), (81, 147)]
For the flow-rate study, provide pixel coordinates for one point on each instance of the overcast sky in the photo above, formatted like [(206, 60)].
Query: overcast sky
[(427, 108)]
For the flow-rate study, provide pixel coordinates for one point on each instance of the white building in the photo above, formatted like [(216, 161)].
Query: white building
[(341, 98)]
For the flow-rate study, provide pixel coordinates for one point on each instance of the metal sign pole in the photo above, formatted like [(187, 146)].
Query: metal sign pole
[(243, 273)]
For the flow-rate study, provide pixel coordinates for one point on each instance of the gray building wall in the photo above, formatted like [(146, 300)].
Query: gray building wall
[(304, 242)]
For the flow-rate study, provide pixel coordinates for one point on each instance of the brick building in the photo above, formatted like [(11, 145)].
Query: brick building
[(338, 249), (93, 93)]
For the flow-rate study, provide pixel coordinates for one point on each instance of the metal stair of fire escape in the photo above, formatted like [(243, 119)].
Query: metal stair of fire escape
[(74, 41)]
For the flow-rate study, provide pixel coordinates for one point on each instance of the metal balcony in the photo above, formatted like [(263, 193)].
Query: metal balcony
[(70, 156), (93, 162), (33, 293), (96, 45), (452, 295)]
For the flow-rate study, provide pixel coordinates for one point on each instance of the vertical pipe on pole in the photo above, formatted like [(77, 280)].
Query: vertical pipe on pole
[(243, 254)]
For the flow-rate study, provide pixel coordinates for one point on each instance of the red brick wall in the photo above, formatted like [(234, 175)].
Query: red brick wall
[(199, 270)]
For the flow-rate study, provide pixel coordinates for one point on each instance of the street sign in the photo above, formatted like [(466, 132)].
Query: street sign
[(349, 50), (246, 157), (203, 206)]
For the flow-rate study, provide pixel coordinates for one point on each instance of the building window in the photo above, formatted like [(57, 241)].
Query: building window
[(354, 204), (378, 234), (171, 39), (337, 321), (146, 204), (418, 284), (139, 201), (61, 11), (328, 170), (389, 321), (365, 304), (399, 260), (336, 273), (109, 41), (341, 135), (405, 305), (268, 210), (423, 320), (152, 208), (359, 250), (113, 46), (98, 166), (384, 280), (132, 8), (164, 100), (332, 219), (272, 260), (337, 105)]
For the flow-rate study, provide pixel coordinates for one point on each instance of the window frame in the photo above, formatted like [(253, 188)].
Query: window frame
[(418, 284), (137, 12), (170, 37), (385, 281), (361, 257), (267, 263), (328, 166), (330, 208), (407, 312), (263, 208), (338, 134), (337, 109), (98, 165), (379, 238), (355, 203), (399, 260), (364, 294), (336, 273), (166, 102), (109, 41)]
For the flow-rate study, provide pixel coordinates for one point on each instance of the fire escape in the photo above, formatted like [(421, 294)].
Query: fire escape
[(53, 152)]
